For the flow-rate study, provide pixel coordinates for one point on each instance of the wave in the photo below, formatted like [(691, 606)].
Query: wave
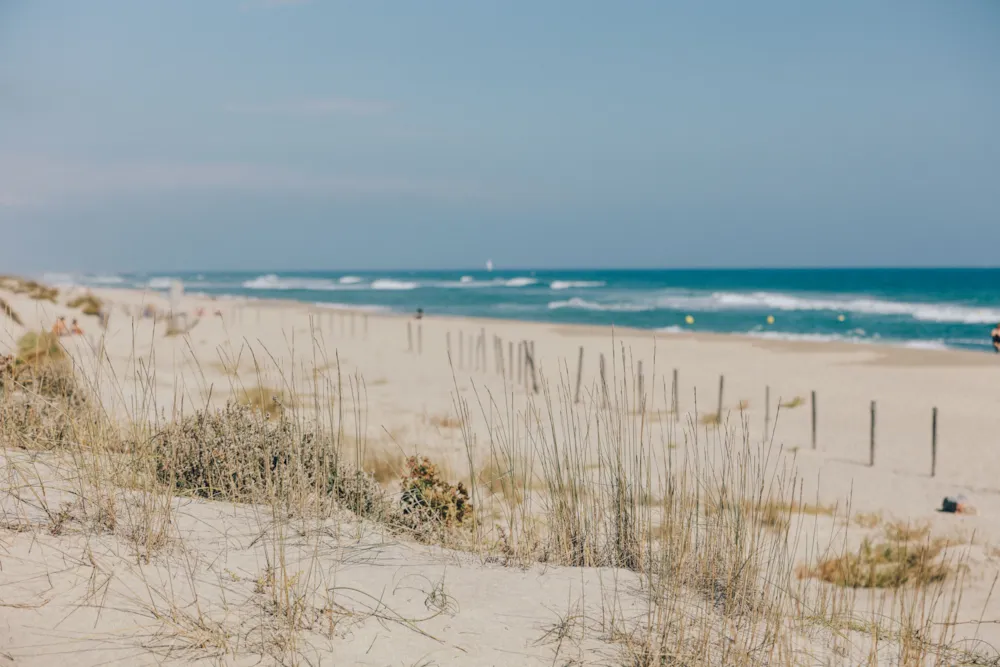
[(389, 284), (569, 284), (272, 281), (105, 280), (927, 312), (581, 304), (364, 308), (519, 282), (160, 282), (349, 280), (776, 301)]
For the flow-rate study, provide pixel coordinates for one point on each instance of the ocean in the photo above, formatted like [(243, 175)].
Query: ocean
[(929, 308)]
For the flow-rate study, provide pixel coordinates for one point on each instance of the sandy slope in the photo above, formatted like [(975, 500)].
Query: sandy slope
[(403, 401)]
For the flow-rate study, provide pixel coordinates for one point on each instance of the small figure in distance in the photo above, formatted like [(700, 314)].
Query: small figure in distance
[(59, 328), (995, 335), (76, 330), (420, 315)]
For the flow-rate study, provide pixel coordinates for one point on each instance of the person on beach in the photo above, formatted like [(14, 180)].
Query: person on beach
[(420, 313), (59, 328), (76, 330), (995, 335)]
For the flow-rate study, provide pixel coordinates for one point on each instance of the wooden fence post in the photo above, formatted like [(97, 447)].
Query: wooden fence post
[(767, 410), (579, 375), (409, 336), (366, 326), (641, 382), (461, 350), (722, 380), (813, 397), (520, 361), (531, 365), (933, 442), (604, 382), (871, 444), (420, 337), (673, 391), (510, 359)]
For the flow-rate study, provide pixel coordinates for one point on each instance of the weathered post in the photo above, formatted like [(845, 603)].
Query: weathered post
[(933, 442), (813, 401), (871, 444), (579, 375)]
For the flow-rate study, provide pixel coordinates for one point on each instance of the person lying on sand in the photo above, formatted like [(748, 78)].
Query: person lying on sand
[(995, 335), (76, 330), (59, 328)]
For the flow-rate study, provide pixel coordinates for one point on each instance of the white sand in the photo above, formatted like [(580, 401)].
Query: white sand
[(404, 403)]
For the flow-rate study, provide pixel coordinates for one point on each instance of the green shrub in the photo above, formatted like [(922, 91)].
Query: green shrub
[(427, 498)]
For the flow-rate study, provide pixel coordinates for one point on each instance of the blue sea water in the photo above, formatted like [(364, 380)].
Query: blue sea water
[(940, 308)]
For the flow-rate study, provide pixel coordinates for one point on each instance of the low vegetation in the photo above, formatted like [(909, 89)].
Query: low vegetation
[(266, 400), (33, 289), (10, 313), (87, 303), (706, 540)]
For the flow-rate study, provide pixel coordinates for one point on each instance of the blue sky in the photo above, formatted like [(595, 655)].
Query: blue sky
[(315, 134)]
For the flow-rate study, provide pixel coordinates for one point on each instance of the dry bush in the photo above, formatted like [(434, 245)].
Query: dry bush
[(267, 400), (33, 289), (9, 311), (445, 421), (87, 303), (901, 531), (232, 454), (884, 565), (41, 367), (427, 499), (868, 520)]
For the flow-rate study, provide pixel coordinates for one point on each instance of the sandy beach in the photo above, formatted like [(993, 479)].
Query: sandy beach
[(403, 383)]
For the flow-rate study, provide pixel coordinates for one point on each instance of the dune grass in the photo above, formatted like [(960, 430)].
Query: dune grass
[(705, 532), (796, 402), (87, 303), (10, 313), (33, 289)]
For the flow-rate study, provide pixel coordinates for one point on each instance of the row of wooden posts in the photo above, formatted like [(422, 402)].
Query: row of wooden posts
[(321, 320), (526, 372)]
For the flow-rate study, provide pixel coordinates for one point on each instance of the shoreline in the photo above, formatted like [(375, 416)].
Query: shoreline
[(896, 353)]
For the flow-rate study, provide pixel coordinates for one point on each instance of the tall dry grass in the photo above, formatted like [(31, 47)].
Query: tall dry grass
[(594, 484)]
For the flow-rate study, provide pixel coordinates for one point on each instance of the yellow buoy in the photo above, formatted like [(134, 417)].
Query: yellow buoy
[(689, 319), (840, 318), (770, 319)]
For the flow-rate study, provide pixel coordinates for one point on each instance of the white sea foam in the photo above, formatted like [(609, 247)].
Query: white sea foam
[(272, 281), (673, 329), (572, 284), (58, 279), (582, 304), (466, 279), (349, 280), (779, 302), (393, 285), (365, 308), (160, 282), (805, 337), (927, 312), (105, 280), (523, 281)]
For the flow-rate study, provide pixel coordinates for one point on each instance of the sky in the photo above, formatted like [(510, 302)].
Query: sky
[(327, 135)]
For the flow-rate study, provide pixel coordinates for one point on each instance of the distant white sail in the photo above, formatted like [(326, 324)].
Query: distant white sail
[(489, 265)]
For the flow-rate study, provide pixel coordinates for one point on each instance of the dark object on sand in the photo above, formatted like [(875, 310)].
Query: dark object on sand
[(955, 505), (420, 313)]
